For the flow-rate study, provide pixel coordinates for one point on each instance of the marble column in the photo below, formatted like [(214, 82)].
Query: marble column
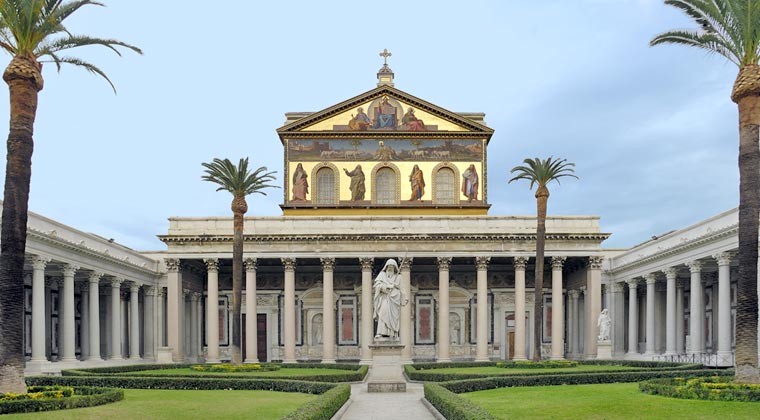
[(134, 322), (195, 326), (724, 307), (149, 321), (84, 330), (671, 275), (328, 311), (161, 317), (651, 281), (481, 265), (572, 326), (633, 317), (116, 319), (289, 317), (680, 334), (593, 301), (405, 318), (696, 310), (366, 314), (558, 322), (617, 312), (174, 301), (520, 264), (251, 317), (212, 310), (444, 340), (68, 327), (38, 308), (94, 324)]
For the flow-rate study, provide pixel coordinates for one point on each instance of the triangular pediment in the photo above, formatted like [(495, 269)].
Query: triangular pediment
[(386, 110)]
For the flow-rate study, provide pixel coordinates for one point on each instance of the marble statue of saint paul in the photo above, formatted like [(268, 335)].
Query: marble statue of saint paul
[(387, 300)]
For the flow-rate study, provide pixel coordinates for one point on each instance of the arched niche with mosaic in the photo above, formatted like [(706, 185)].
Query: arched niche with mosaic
[(386, 191), (325, 192), (445, 194)]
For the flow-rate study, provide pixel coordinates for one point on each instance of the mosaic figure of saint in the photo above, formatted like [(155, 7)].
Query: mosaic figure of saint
[(470, 183), (360, 121), (387, 300), (357, 183), (385, 118), (300, 184), (411, 122), (417, 180)]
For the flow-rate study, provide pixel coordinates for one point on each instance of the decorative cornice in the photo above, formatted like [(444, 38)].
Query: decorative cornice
[(366, 263), (289, 264), (328, 263), (250, 264), (481, 263), (724, 258), (212, 265), (521, 263), (558, 262), (172, 265), (443, 263)]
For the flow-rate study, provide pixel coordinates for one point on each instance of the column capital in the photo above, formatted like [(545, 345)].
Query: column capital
[(481, 263), (405, 263), (39, 262), (95, 276), (69, 270), (116, 282), (582, 289), (134, 287), (558, 262), (616, 287), (595, 262), (573, 293), (212, 264), (289, 264), (194, 296), (250, 264), (172, 264), (632, 283), (149, 290), (650, 278), (670, 273), (521, 263), (162, 291), (366, 263), (443, 263), (328, 263), (694, 266), (724, 258)]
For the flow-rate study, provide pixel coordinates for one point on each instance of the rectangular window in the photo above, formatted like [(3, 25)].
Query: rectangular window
[(424, 325), (347, 325)]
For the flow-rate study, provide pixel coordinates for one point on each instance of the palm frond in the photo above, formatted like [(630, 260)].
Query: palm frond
[(238, 180), (542, 171)]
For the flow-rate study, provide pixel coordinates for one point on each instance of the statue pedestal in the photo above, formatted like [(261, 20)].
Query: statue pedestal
[(387, 372), (604, 350)]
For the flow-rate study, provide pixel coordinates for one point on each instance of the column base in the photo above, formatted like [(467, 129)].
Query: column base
[(256, 360), (69, 359), (116, 359), (94, 359)]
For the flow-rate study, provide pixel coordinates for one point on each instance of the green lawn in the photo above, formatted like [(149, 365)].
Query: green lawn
[(608, 401), (284, 373), (493, 370), (169, 404)]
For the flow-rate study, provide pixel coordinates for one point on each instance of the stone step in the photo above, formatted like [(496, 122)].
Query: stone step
[(386, 386)]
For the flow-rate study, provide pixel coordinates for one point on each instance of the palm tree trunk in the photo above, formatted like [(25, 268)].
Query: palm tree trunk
[(749, 218), (24, 82), (542, 198), (239, 208)]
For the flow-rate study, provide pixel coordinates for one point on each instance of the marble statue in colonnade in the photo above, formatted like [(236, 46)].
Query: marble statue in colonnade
[(388, 301)]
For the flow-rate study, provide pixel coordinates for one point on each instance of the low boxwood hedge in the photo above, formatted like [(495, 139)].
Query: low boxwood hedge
[(470, 385), (82, 397), (452, 406), (139, 382), (715, 388), (544, 364), (325, 406)]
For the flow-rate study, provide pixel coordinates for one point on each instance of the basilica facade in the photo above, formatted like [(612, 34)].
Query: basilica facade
[(383, 175)]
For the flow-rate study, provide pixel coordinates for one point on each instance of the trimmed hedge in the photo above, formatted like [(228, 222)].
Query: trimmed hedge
[(545, 364), (324, 407), (228, 367), (138, 382), (471, 385), (716, 388), (452, 406), (83, 397)]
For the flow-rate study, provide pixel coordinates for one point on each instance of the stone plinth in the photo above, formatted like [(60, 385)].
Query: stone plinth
[(604, 350), (164, 355), (386, 373)]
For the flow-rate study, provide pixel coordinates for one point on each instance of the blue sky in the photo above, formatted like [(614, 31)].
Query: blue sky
[(652, 130)]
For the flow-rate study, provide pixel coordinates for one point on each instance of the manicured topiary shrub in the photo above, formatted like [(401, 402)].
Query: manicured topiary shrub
[(56, 397), (227, 367), (452, 406), (470, 385), (324, 407), (714, 388), (546, 364)]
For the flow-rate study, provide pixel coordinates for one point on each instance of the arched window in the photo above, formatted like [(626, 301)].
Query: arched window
[(385, 186), (444, 186), (325, 187)]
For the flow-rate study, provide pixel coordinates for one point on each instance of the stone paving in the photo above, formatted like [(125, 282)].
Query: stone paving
[(386, 405)]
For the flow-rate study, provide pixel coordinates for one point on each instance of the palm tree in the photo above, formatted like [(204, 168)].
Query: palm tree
[(32, 32), (240, 182), (731, 28), (541, 172)]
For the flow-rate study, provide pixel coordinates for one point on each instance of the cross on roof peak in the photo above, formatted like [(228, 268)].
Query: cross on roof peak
[(385, 54)]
